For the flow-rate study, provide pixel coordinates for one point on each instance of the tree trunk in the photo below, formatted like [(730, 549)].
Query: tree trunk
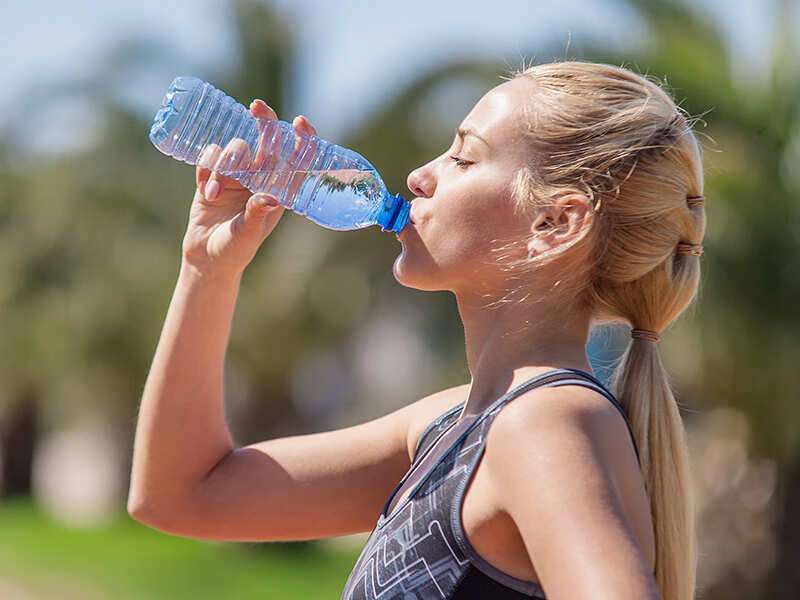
[(18, 435), (784, 580)]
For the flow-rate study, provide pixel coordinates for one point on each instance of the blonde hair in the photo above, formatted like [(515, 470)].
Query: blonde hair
[(618, 138)]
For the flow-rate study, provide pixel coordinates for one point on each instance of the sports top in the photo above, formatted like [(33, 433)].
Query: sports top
[(418, 550)]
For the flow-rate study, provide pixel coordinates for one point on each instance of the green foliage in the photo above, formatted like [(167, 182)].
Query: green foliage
[(128, 561), (747, 323), (90, 242)]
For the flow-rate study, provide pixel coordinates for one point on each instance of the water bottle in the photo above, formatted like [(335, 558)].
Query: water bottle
[(329, 184)]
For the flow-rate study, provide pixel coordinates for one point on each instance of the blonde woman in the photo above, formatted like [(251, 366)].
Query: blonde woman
[(570, 196)]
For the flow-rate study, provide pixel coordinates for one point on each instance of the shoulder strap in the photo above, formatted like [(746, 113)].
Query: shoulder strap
[(429, 434), (561, 377), (587, 380), (554, 378), (442, 423)]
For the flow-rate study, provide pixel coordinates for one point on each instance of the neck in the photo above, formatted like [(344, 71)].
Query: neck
[(508, 345)]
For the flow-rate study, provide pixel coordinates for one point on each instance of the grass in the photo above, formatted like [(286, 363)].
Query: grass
[(127, 560)]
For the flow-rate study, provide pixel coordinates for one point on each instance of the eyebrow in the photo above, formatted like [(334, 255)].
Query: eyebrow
[(464, 132)]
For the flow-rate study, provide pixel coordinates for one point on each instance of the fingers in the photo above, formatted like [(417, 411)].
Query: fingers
[(264, 113), (258, 206), (234, 158), (262, 212), (261, 110), (302, 126), (208, 158), (236, 155)]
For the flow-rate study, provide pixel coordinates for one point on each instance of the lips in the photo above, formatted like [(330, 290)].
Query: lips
[(410, 225)]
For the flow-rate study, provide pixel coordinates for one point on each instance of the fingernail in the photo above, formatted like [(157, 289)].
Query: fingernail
[(212, 188), (264, 200)]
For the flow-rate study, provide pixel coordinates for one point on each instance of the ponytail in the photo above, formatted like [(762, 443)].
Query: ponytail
[(640, 384), (620, 138)]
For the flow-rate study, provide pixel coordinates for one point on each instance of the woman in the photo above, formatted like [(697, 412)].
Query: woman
[(571, 195)]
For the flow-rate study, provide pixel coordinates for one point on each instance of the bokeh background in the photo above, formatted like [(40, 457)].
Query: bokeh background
[(92, 216)]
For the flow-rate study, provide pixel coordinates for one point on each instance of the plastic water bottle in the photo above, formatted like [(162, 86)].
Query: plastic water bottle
[(329, 184)]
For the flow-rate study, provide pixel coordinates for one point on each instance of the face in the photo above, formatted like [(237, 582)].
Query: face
[(463, 207)]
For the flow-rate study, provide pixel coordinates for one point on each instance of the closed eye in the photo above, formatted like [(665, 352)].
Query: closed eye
[(462, 164)]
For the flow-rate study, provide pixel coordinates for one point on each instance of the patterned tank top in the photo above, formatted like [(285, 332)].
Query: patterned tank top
[(419, 550)]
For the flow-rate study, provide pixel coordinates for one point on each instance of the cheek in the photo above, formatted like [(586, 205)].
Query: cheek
[(470, 224), (458, 234), (480, 242), (462, 242)]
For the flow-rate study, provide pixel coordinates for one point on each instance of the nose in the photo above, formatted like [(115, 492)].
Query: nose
[(420, 182)]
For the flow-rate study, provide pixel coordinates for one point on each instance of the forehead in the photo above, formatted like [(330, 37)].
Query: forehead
[(496, 116)]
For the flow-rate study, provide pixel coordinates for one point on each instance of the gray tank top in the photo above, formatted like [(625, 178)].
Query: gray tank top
[(418, 549)]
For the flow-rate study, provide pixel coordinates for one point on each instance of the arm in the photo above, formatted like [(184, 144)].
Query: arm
[(181, 432), (189, 480), (181, 429), (550, 453)]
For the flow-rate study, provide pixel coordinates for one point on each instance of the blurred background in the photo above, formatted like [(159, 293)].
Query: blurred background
[(92, 217)]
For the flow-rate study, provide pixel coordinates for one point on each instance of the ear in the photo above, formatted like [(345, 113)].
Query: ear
[(560, 222)]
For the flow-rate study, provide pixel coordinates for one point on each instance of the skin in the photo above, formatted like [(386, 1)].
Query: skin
[(587, 531), (459, 212), (568, 436)]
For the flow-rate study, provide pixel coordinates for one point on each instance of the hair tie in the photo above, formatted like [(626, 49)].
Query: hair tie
[(645, 334), (686, 248), (694, 201)]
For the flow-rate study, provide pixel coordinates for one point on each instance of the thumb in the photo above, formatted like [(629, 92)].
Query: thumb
[(260, 209), (260, 206)]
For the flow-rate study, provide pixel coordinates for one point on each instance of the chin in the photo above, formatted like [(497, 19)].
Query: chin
[(411, 274)]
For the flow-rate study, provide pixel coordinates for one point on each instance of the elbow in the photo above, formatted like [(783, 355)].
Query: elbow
[(139, 510), (147, 513), (170, 520)]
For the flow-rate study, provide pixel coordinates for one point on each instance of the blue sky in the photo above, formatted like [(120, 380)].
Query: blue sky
[(351, 53)]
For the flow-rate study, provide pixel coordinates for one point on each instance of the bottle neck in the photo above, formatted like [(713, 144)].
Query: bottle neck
[(394, 214)]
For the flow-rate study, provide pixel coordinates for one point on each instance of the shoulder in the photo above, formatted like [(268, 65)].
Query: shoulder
[(558, 433), (559, 457), (568, 409)]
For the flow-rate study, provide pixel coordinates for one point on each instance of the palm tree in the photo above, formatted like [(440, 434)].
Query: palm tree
[(91, 243)]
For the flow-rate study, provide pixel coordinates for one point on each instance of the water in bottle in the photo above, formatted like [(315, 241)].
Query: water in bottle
[(333, 186)]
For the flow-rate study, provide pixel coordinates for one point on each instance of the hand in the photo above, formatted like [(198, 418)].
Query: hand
[(227, 224)]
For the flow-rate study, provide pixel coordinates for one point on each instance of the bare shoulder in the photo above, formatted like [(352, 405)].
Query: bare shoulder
[(430, 407), (538, 411), (565, 462), (568, 430)]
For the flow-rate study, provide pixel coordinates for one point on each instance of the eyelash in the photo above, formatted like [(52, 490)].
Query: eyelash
[(461, 164)]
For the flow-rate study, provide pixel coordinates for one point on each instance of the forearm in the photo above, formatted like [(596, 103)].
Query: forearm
[(181, 431)]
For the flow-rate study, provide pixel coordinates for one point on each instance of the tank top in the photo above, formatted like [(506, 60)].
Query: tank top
[(418, 550)]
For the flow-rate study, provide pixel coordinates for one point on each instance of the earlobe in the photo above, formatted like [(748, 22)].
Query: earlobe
[(537, 245)]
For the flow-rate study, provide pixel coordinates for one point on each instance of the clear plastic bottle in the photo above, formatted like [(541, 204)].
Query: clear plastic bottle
[(329, 184)]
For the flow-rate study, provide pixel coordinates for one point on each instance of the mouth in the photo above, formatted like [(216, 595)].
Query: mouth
[(403, 232)]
